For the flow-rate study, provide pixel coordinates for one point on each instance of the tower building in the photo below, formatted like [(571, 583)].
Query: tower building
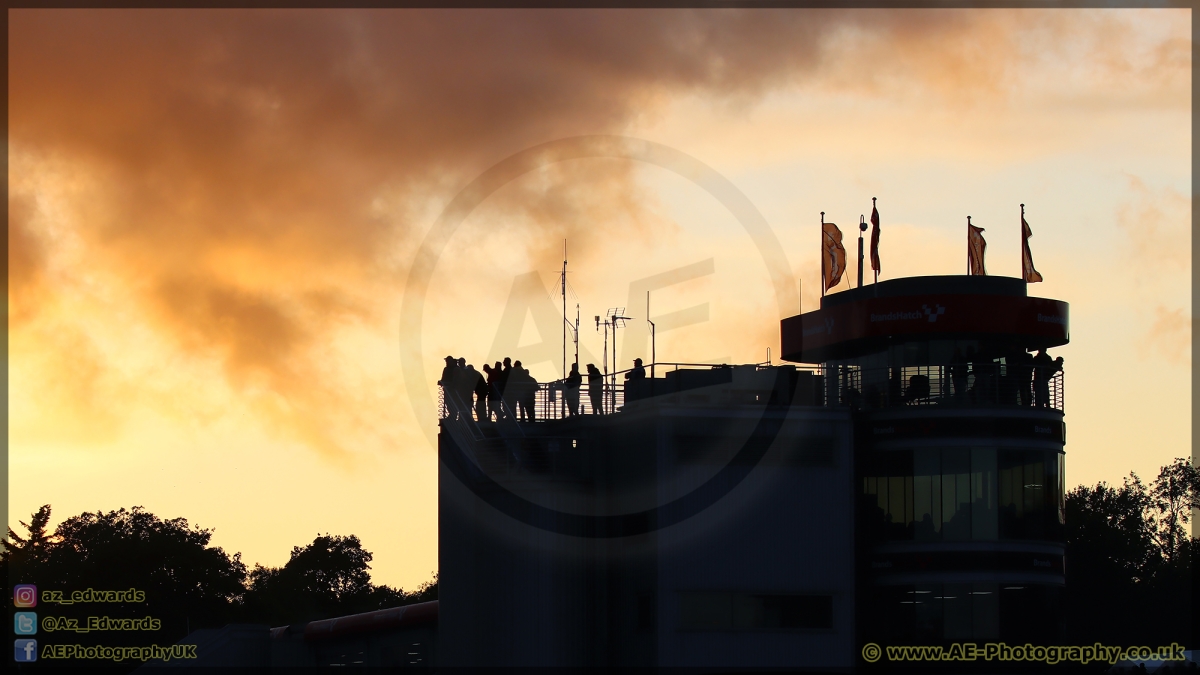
[(959, 449)]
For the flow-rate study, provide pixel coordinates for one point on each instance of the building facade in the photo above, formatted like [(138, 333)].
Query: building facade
[(959, 443), (708, 523)]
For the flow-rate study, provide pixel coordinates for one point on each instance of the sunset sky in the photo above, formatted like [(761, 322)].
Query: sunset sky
[(213, 216)]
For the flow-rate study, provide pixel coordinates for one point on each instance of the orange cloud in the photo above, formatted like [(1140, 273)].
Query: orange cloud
[(240, 158), (1171, 335)]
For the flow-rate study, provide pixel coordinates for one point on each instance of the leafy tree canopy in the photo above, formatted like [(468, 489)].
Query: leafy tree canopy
[(190, 584), (1129, 558)]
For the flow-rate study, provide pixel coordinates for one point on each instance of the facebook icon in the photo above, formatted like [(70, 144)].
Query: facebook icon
[(25, 651)]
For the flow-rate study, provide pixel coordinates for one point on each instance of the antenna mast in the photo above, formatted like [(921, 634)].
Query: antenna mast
[(653, 350), (614, 318), (564, 307)]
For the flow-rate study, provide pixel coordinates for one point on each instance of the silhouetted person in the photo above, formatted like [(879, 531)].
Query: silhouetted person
[(506, 397), (1045, 368), (571, 390), (925, 530), (958, 373), (447, 384), (494, 389), (514, 393), (1042, 363), (918, 388), (465, 388), (1023, 372), (481, 392), (596, 389), (488, 388), (634, 379), (524, 391), (531, 390)]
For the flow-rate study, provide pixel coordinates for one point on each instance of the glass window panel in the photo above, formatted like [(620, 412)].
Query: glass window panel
[(935, 487), (956, 494), (1053, 493), (984, 512), (923, 528), (928, 463), (1035, 494), (928, 612), (1010, 482), (956, 611), (985, 611), (908, 505), (1062, 494), (898, 524)]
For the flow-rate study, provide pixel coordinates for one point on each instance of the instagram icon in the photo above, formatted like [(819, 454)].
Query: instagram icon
[(25, 595)]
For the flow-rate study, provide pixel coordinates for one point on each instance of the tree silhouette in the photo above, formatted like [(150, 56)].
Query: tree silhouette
[(1129, 559), (187, 583), (24, 556), (190, 584), (327, 578)]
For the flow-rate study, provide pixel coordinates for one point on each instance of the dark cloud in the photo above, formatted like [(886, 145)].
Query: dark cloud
[(240, 151)]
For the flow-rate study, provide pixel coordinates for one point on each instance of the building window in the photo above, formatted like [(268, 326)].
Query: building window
[(957, 612), (964, 494), (732, 610)]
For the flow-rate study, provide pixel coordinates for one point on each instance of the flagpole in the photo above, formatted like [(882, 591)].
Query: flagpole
[(1023, 278), (862, 227), (822, 254), (874, 252), (968, 245)]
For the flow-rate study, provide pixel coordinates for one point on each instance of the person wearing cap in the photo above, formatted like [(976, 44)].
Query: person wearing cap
[(634, 379)]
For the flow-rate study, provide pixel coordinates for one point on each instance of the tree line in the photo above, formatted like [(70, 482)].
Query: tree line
[(1128, 566), (188, 583), (1129, 559)]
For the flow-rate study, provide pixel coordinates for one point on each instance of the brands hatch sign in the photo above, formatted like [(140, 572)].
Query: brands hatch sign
[(816, 336)]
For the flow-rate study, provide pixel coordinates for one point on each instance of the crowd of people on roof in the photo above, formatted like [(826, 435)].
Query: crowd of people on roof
[(507, 390), (1024, 381)]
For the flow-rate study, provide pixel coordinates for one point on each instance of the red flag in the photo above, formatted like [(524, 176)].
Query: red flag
[(874, 237), (1031, 275), (976, 247), (833, 255)]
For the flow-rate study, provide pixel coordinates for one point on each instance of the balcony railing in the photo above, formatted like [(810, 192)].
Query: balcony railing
[(981, 384)]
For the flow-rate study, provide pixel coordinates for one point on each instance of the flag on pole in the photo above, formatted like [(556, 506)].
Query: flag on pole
[(833, 255), (874, 237), (1027, 271), (976, 247)]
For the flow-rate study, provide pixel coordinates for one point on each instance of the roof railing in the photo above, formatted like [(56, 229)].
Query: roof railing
[(981, 384)]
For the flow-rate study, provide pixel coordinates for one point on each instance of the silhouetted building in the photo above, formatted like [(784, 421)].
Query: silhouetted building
[(960, 493), (708, 523), (753, 516), (899, 487)]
